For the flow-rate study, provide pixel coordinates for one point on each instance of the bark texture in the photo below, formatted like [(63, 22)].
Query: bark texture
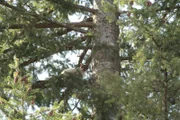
[(105, 52)]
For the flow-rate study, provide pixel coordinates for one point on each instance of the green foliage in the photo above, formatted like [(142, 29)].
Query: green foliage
[(108, 95), (147, 87), (111, 9), (17, 93), (151, 45)]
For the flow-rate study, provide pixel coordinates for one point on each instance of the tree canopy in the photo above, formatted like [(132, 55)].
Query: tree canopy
[(129, 49)]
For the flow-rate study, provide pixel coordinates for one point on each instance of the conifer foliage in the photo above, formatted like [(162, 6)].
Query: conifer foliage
[(128, 48)]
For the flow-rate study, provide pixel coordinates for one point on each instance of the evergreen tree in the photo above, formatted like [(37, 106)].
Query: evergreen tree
[(131, 59), (151, 44)]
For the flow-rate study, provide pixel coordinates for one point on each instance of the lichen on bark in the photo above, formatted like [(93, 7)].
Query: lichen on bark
[(105, 54)]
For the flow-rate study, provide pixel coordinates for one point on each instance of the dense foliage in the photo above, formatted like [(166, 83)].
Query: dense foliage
[(36, 36)]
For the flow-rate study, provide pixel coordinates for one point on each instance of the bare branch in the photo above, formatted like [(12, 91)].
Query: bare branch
[(52, 24), (81, 57), (76, 105)]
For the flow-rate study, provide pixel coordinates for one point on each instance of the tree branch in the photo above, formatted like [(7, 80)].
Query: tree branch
[(125, 58), (68, 46), (60, 33), (161, 9), (165, 97), (9, 6), (93, 11), (55, 25), (52, 24), (80, 7), (81, 57), (122, 12), (36, 59), (40, 84)]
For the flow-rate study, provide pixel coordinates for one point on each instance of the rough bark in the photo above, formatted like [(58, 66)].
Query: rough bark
[(105, 53)]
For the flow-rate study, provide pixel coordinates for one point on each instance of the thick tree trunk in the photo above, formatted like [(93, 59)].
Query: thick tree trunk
[(105, 52)]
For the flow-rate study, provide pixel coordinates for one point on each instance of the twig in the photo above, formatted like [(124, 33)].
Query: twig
[(75, 106)]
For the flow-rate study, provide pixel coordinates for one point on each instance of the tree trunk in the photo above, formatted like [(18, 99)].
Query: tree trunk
[(105, 52)]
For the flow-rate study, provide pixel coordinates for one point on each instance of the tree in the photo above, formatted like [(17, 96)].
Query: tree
[(151, 45), (132, 54)]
